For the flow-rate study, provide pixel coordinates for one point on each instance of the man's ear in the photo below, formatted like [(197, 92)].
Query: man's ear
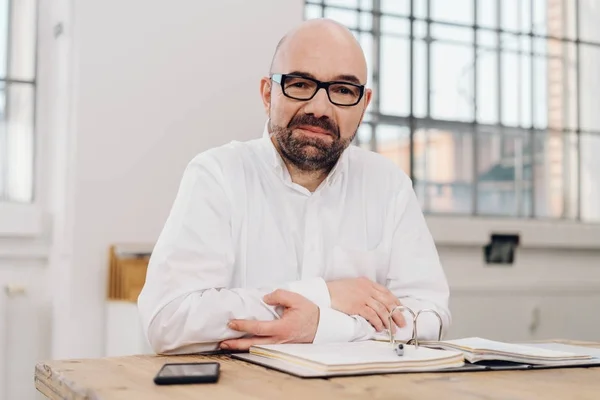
[(368, 96), (265, 93)]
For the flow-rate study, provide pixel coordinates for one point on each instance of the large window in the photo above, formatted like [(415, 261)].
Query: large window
[(489, 105), (17, 99)]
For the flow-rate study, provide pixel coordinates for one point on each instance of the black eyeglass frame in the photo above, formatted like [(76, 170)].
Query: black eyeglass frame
[(280, 78)]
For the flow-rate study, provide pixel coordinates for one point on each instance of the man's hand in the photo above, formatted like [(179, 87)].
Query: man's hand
[(298, 324), (370, 300)]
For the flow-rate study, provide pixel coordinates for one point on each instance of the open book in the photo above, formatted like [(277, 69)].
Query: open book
[(367, 356), (377, 357), (477, 349)]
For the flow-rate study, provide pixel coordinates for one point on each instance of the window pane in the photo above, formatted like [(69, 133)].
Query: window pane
[(589, 15), (394, 76), (510, 15), (395, 26), (420, 30), (516, 90), (420, 9), (363, 136), (444, 170), (487, 87), (511, 42), (504, 174), (451, 33), (570, 95), (366, 21), (555, 175), (525, 15), (19, 142), (525, 100), (487, 13), (398, 7), (311, 11), (590, 176), (3, 144), (420, 79), (342, 3), (487, 39), (452, 82), (540, 92), (366, 4), (3, 28), (511, 82), (348, 18), (393, 142), (590, 87), (23, 39), (459, 11), (539, 16)]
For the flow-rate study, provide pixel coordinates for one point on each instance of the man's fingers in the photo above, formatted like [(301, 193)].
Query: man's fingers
[(380, 288), (256, 328), (388, 299), (381, 311), (370, 315), (399, 320), (245, 343), (282, 297)]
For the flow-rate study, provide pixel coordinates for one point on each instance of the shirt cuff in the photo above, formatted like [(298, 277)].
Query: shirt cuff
[(334, 326), (314, 289)]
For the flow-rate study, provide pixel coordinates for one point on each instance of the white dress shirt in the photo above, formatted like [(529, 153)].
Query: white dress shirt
[(239, 228)]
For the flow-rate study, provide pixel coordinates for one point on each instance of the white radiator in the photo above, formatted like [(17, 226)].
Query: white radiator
[(3, 344), (13, 303)]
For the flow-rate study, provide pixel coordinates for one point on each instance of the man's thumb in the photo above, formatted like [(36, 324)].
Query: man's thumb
[(281, 297)]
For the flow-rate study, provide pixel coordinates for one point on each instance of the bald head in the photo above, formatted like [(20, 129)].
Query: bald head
[(312, 127), (320, 38)]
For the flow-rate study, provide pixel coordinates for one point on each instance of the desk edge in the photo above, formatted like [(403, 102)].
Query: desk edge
[(50, 385)]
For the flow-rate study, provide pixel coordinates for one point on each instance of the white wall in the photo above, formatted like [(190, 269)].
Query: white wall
[(154, 83)]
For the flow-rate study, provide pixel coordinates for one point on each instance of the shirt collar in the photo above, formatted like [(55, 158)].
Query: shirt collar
[(275, 160)]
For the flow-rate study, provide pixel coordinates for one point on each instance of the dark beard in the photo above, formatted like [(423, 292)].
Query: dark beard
[(295, 148)]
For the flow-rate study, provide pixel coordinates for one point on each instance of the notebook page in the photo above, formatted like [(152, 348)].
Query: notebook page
[(366, 352), (476, 344), (581, 350)]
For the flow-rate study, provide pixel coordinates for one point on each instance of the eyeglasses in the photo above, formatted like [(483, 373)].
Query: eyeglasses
[(299, 87)]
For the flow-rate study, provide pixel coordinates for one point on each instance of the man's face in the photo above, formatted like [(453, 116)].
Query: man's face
[(312, 134)]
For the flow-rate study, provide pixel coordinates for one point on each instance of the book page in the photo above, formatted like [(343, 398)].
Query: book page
[(356, 353), (476, 344)]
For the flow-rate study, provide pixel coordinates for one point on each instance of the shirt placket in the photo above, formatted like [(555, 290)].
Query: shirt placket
[(311, 265)]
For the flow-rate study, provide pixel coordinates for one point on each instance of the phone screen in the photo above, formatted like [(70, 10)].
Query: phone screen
[(189, 370)]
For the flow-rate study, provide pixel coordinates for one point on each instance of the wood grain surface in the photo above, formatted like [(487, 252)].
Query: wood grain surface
[(131, 377)]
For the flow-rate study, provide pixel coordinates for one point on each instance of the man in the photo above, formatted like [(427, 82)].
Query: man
[(297, 236)]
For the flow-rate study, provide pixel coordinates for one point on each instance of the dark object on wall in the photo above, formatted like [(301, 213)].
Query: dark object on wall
[(501, 249)]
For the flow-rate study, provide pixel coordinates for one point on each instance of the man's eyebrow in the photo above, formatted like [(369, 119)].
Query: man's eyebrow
[(348, 78), (344, 77)]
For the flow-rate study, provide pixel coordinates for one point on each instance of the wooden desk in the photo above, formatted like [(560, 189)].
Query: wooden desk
[(131, 377)]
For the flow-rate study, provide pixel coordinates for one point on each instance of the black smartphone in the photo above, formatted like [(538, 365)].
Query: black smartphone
[(182, 373)]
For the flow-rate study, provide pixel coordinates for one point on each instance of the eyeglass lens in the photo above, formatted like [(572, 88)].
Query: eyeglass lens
[(304, 89)]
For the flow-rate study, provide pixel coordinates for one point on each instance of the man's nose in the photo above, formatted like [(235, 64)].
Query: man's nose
[(319, 105)]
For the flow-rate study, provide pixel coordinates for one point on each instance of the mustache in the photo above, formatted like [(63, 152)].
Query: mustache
[(310, 120)]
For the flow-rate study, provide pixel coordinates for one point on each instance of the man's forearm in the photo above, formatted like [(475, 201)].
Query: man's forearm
[(197, 321)]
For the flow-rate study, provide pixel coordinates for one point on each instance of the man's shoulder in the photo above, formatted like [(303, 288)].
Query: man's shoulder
[(376, 166), (228, 155)]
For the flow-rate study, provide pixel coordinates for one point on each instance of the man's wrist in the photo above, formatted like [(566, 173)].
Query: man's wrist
[(314, 289)]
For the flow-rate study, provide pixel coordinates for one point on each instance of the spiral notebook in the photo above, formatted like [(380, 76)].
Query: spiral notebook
[(380, 356)]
